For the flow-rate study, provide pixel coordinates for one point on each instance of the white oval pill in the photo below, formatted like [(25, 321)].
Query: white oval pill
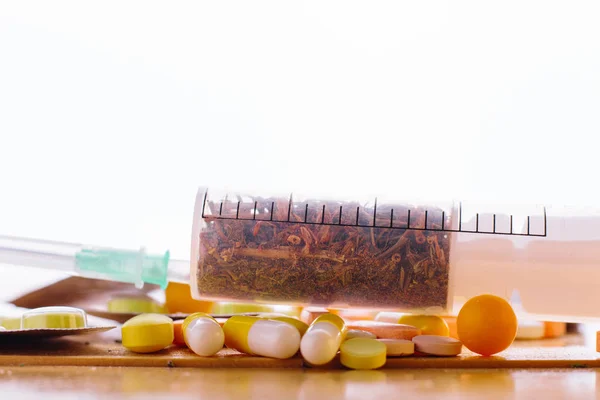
[(437, 345), (398, 347), (355, 333)]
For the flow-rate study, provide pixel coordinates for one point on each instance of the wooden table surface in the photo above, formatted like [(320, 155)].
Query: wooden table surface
[(66, 383), (114, 383), (23, 381)]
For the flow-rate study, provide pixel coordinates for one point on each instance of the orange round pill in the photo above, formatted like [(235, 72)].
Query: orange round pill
[(178, 333), (486, 324)]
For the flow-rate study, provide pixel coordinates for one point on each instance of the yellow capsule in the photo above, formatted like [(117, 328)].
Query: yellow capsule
[(147, 333), (301, 326), (428, 324), (261, 337), (240, 308)]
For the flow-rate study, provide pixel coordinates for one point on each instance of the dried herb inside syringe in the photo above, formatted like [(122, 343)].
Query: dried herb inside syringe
[(321, 257)]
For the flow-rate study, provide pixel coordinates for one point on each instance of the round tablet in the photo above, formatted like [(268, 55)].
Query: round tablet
[(385, 330), (362, 353), (356, 333), (486, 324), (398, 347), (134, 303), (437, 345), (428, 324), (147, 333)]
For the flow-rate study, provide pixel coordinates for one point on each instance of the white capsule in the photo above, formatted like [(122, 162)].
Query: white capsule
[(204, 336), (262, 337), (323, 338)]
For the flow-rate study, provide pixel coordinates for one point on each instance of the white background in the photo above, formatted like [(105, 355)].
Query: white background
[(113, 112)]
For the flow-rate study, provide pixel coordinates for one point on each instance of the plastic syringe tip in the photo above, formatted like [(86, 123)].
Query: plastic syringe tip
[(135, 267)]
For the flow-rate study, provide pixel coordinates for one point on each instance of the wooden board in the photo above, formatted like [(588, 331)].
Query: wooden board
[(76, 351)]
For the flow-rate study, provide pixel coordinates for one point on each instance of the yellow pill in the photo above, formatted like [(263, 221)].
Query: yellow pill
[(428, 324), (147, 333), (178, 299), (363, 353), (240, 308), (54, 318), (11, 323), (134, 303)]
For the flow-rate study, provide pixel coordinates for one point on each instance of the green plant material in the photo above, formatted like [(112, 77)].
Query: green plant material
[(321, 257)]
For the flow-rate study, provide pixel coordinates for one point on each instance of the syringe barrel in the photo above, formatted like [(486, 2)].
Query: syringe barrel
[(367, 253), (556, 276), (394, 255), (38, 253)]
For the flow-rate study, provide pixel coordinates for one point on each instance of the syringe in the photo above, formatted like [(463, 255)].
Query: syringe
[(378, 254), (382, 253), (131, 266)]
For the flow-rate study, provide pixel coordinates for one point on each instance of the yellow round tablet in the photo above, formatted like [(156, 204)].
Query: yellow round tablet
[(147, 333), (428, 324), (362, 353), (134, 303), (54, 318)]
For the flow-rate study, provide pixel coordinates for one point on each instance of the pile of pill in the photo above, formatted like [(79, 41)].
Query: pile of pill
[(485, 325)]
